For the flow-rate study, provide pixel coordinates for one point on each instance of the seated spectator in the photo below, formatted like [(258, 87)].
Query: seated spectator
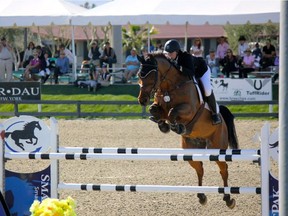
[(144, 52), (159, 46), (268, 55), (197, 49), (132, 66), (276, 69), (247, 65), (229, 63), (222, 48), (45, 71), (213, 63), (61, 66), (105, 75), (257, 56), (32, 69), (28, 54), (95, 53), (108, 56), (93, 83), (67, 52)]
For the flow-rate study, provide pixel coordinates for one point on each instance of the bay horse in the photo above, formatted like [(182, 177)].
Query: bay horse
[(179, 106)]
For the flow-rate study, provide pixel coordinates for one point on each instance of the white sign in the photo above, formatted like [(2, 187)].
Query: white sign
[(242, 89), (26, 133)]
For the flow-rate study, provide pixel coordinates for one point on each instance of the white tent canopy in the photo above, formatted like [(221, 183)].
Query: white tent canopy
[(27, 13), (180, 12)]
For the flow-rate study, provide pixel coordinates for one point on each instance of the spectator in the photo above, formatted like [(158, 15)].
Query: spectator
[(229, 63), (132, 66), (105, 75), (268, 55), (247, 65), (257, 56), (32, 69), (197, 49), (213, 63), (94, 54), (92, 83), (6, 61), (152, 48), (67, 52), (222, 48), (242, 46), (28, 54), (159, 46), (108, 56), (144, 52), (45, 71), (62, 66)]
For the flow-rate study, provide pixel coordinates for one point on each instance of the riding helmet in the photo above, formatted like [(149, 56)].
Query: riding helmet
[(172, 46)]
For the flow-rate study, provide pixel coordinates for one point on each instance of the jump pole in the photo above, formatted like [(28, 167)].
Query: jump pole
[(161, 157), (115, 150)]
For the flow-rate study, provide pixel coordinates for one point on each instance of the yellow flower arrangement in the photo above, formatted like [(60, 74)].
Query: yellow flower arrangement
[(55, 207)]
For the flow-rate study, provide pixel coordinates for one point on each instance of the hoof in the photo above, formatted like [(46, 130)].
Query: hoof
[(164, 127), (231, 203), (178, 128), (202, 198)]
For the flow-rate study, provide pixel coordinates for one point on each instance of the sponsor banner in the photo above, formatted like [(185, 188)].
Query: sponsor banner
[(21, 189), (242, 89), (273, 196), (26, 134), (17, 91)]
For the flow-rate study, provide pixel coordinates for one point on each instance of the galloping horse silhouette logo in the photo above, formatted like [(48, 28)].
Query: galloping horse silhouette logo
[(26, 134)]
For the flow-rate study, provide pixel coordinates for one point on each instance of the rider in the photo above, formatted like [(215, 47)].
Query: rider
[(196, 67)]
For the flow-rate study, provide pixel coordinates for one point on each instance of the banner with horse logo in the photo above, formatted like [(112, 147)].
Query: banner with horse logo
[(242, 89), (26, 133)]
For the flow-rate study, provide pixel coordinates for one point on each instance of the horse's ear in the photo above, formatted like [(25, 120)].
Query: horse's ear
[(140, 59)]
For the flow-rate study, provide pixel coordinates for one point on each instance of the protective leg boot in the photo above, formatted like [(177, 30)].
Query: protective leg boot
[(216, 119)]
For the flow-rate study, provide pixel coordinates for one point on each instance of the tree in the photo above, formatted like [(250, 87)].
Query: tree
[(134, 35), (252, 33)]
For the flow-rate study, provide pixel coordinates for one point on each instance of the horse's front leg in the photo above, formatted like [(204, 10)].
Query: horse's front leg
[(177, 115), (224, 173), (157, 116), (36, 141)]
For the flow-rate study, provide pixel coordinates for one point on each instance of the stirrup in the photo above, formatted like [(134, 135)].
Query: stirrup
[(216, 119)]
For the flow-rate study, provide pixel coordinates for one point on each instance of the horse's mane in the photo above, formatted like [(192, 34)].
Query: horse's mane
[(157, 55)]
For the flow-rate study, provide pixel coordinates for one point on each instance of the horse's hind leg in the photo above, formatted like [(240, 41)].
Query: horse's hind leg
[(224, 173), (198, 166)]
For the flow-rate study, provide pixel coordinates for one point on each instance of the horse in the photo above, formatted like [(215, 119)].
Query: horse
[(27, 134), (179, 106)]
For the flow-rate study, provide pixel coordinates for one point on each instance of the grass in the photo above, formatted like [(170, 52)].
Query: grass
[(110, 93)]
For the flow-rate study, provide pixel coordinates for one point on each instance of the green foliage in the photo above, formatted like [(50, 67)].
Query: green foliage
[(134, 35)]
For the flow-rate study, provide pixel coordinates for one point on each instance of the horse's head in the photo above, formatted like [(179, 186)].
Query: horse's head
[(148, 77), (33, 124)]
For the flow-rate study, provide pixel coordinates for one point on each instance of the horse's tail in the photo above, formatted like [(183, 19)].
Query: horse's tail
[(229, 120), (7, 134)]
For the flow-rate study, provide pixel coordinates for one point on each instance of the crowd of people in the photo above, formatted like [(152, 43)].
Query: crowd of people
[(222, 61)]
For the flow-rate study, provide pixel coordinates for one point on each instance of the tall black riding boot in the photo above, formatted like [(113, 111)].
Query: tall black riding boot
[(216, 119)]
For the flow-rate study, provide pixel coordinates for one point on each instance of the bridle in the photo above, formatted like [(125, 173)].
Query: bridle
[(155, 70)]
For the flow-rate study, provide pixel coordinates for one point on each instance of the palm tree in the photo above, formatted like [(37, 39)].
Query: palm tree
[(134, 35)]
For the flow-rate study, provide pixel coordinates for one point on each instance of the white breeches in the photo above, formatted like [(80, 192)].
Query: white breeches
[(206, 82)]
